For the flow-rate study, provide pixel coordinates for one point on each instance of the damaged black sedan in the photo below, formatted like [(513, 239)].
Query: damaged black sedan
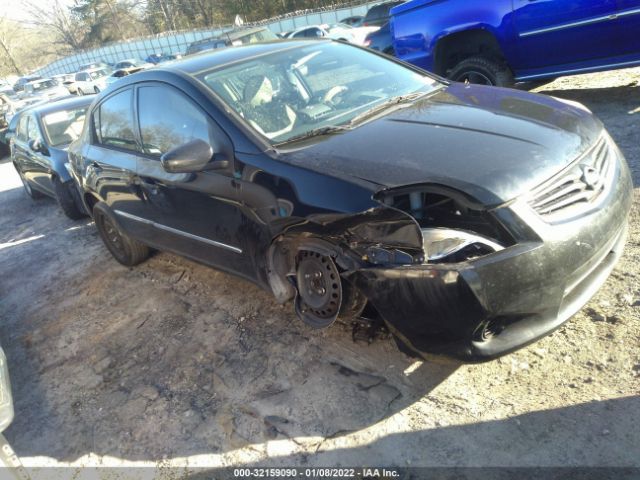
[(471, 220)]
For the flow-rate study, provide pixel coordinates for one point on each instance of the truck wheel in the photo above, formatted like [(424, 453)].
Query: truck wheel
[(482, 71)]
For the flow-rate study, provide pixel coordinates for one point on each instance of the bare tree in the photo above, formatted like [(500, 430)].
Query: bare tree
[(57, 18), (8, 36)]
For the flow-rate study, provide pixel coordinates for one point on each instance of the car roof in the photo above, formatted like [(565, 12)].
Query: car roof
[(63, 104), (211, 58), (89, 70), (318, 25)]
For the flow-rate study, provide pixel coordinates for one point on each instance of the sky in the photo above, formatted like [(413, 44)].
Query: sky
[(16, 9)]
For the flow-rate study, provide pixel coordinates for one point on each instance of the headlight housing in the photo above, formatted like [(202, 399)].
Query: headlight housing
[(444, 244)]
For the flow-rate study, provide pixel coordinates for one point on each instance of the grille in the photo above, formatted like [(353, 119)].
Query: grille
[(577, 188)]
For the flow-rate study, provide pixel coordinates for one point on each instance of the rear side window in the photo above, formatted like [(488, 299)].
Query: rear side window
[(162, 132), (21, 133), (113, 122), (33, 131)]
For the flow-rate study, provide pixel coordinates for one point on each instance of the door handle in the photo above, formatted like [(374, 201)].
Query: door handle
[(150, 185)]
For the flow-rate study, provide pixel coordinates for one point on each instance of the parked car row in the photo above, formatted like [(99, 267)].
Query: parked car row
[(349, 183)]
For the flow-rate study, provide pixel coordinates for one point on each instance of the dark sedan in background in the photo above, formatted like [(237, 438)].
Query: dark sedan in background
[(39, 150), (380, 40), (472, 220)]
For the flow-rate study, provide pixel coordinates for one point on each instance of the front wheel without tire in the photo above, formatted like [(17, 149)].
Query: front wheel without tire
[(67, 200), (482, 71), (319, 289), (125, 249)]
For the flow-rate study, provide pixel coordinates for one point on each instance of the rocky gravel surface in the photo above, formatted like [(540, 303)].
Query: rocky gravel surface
[(173, 363)]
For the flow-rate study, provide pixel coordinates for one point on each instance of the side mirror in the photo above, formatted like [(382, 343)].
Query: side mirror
[(193, 156), (36, 145)]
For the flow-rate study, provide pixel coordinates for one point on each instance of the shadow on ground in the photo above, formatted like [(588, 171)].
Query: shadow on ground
[(114, 361), (584, 435)]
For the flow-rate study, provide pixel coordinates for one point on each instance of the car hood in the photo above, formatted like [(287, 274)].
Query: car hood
[(493, 144)]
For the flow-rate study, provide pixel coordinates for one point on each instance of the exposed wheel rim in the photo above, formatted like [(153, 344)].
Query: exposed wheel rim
[(475, 77), (319, 288), (113, 236)]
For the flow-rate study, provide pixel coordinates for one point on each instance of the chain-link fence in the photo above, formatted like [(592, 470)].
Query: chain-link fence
[(177, 42)]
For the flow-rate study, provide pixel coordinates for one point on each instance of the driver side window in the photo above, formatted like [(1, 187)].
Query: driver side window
[(162, 132)]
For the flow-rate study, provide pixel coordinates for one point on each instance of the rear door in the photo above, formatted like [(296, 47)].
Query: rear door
[(20, 147), (564, 32), (81, 80), (629, 28), (195, 214), (111, 160), (33, 165), (40, 161)]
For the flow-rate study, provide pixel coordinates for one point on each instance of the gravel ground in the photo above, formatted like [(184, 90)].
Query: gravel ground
[(173, 363)]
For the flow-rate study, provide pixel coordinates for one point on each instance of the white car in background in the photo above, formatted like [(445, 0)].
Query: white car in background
[(336, 31), (67, 80), (91, 81), (44, 89)]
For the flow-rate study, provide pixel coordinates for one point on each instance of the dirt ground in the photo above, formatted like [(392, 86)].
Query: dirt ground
[(173, 363)]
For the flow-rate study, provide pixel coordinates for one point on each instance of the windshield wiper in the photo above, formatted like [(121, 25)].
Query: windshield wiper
[(317, 132), (389, 103)]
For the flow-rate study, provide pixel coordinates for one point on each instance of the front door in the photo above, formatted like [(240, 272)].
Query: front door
[(556, 33), (195, 214)]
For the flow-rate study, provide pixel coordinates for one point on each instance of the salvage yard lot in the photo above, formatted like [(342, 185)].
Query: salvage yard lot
[(171, 359)]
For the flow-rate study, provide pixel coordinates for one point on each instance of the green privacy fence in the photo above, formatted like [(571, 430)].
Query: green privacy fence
[(177, 42)]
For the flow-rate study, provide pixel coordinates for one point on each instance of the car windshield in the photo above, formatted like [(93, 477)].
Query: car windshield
[(97, 74), (64, 126), (42, 85), (298, 91)]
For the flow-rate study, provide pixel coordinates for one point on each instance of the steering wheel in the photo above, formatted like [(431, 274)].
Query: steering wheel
[(335, 95)]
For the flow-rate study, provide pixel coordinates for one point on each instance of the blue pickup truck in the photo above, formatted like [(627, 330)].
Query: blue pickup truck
[(499, 42)]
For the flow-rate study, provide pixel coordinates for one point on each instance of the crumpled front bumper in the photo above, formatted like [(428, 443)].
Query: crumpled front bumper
[(487, 307)]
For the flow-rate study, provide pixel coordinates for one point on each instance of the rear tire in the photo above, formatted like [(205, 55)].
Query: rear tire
[(34, 194), (96, 90), (80, 92), (125, 250), (67, 200), (483, 71)]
